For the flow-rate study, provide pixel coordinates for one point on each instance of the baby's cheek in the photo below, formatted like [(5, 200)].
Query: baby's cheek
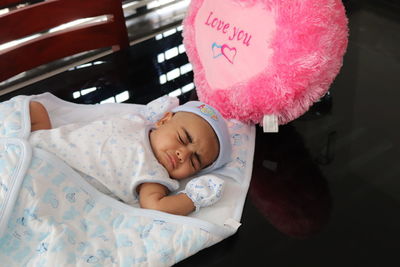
[(182, 172)]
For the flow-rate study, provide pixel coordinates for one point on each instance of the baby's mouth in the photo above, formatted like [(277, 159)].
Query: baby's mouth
[(171, 161)]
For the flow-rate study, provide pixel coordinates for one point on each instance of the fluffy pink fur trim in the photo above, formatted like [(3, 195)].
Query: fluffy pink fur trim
[(309, 44)]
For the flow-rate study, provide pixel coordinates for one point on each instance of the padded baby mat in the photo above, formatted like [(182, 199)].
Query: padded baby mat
[(50, 215)]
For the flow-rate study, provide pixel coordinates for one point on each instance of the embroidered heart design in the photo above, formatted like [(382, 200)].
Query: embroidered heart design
[(216, 49), (239, 38), (229, 53)]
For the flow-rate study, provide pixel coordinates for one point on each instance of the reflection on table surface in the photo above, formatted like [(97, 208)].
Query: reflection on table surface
[(325, 189)]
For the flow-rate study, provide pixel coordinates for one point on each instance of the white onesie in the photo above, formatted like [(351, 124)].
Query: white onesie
[(114, 151)]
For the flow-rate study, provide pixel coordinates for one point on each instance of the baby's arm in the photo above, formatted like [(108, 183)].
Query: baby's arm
[(155, 196), (39, 117), (199, 192)]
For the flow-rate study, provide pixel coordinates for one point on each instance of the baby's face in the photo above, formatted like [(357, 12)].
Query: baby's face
[(184, 143)]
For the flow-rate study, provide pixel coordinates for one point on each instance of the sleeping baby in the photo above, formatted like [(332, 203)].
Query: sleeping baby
[(134, 160)]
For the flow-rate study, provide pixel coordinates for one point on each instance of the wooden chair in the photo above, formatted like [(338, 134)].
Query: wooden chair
[(50, 46)]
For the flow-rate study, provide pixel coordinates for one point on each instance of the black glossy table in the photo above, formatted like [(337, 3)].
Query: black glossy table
[(325, 190)]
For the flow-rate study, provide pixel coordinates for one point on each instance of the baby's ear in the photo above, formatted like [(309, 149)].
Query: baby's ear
[(166, 117)]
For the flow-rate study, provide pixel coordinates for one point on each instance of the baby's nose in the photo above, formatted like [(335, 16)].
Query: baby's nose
[(182, 154)]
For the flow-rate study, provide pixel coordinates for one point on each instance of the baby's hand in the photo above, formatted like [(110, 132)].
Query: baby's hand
[(205, 190), (39, 117)]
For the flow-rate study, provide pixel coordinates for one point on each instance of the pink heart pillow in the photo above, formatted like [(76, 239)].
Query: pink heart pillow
[(264, 57)]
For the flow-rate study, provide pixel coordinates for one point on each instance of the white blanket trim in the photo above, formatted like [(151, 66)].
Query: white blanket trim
[(15, 180)]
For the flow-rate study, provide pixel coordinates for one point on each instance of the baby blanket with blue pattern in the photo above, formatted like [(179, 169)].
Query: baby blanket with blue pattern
[(50, 215)]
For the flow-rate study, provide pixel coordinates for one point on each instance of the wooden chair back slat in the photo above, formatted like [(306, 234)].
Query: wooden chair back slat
[(49, 14), (43, 16), (58, 45)]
